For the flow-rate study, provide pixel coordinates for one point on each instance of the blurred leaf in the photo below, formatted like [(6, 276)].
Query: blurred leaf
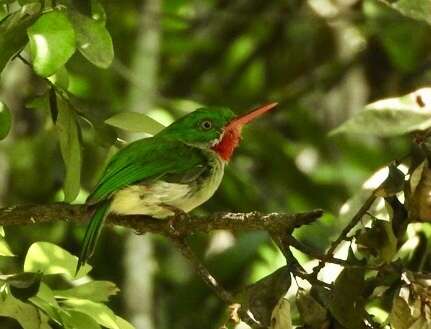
[(77, 320), (98, 312), (98, 12), (312, 313), (60, 78), (96, 291), (281, 315), (123, 324), (5, 249), (26, 314), (49, 258), (93, 39), (392, 116), (68, 131), (2, 233), (38, 102), (13, 31), (417, 9), (5, 120), (135, 122), (52, 42)]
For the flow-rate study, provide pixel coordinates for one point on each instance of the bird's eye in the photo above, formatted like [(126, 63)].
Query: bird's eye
[(206, 124)]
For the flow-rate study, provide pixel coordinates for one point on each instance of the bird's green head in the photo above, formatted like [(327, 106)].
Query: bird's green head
[(214, 128)]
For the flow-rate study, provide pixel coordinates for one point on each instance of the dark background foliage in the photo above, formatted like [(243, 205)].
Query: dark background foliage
[(321, 60)]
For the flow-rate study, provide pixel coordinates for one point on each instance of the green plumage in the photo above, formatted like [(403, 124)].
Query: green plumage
[(176, 167)]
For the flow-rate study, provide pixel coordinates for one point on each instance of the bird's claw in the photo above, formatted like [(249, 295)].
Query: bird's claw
[(179, 215)]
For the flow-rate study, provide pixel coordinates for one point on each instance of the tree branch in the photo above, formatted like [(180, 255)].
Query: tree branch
[(177, 228), (35, 214)]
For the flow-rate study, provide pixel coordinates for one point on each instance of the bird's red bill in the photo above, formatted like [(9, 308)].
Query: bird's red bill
[(250, 116)]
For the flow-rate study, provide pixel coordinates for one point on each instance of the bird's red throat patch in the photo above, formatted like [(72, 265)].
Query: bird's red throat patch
[(228, 143)]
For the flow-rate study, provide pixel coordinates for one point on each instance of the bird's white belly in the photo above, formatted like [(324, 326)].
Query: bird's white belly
[(149, 199)]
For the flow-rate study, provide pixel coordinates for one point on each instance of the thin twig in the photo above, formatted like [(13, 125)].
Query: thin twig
[(343, 235), (201, 270)]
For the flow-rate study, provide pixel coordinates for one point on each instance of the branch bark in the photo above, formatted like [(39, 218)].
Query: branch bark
[(184, 225)]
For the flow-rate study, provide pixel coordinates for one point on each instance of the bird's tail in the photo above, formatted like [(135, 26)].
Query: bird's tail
[(92, 233)]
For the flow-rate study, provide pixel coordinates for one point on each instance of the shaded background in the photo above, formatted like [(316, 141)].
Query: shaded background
[(322, 60)]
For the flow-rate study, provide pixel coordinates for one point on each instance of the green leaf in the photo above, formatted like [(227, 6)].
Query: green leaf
[(400, 317), (26, 314), (281, 317), (99, 312), (5, 120), (38, 102), (77, 320), (2, 233), (96, 291), (345, 301), (13, 31), (135, 122), (417, 9), (49, 258), (45, 301), (4, 248), (52, 42), (93, 39), (392, 116), (60, 78), (98, 12), (123, 324), (68, 132)]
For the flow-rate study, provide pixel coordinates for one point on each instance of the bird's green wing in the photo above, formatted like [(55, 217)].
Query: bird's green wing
[(146, 160)]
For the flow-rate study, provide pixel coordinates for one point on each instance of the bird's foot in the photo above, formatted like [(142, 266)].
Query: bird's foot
[(179, 216)]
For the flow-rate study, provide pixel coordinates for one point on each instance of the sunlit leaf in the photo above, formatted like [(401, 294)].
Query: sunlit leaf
[(96, 291), (26, 314), (135, 122), (68, 132), (123, 324), (45, 301), (98, 312), (52, 42), (49, 258), (77, 320), (417, 9), (392, 116), (93, 39), (400, 317), (281, 316), (13, 31)]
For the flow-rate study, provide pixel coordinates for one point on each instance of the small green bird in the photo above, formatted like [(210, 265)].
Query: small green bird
[(179, 168)]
